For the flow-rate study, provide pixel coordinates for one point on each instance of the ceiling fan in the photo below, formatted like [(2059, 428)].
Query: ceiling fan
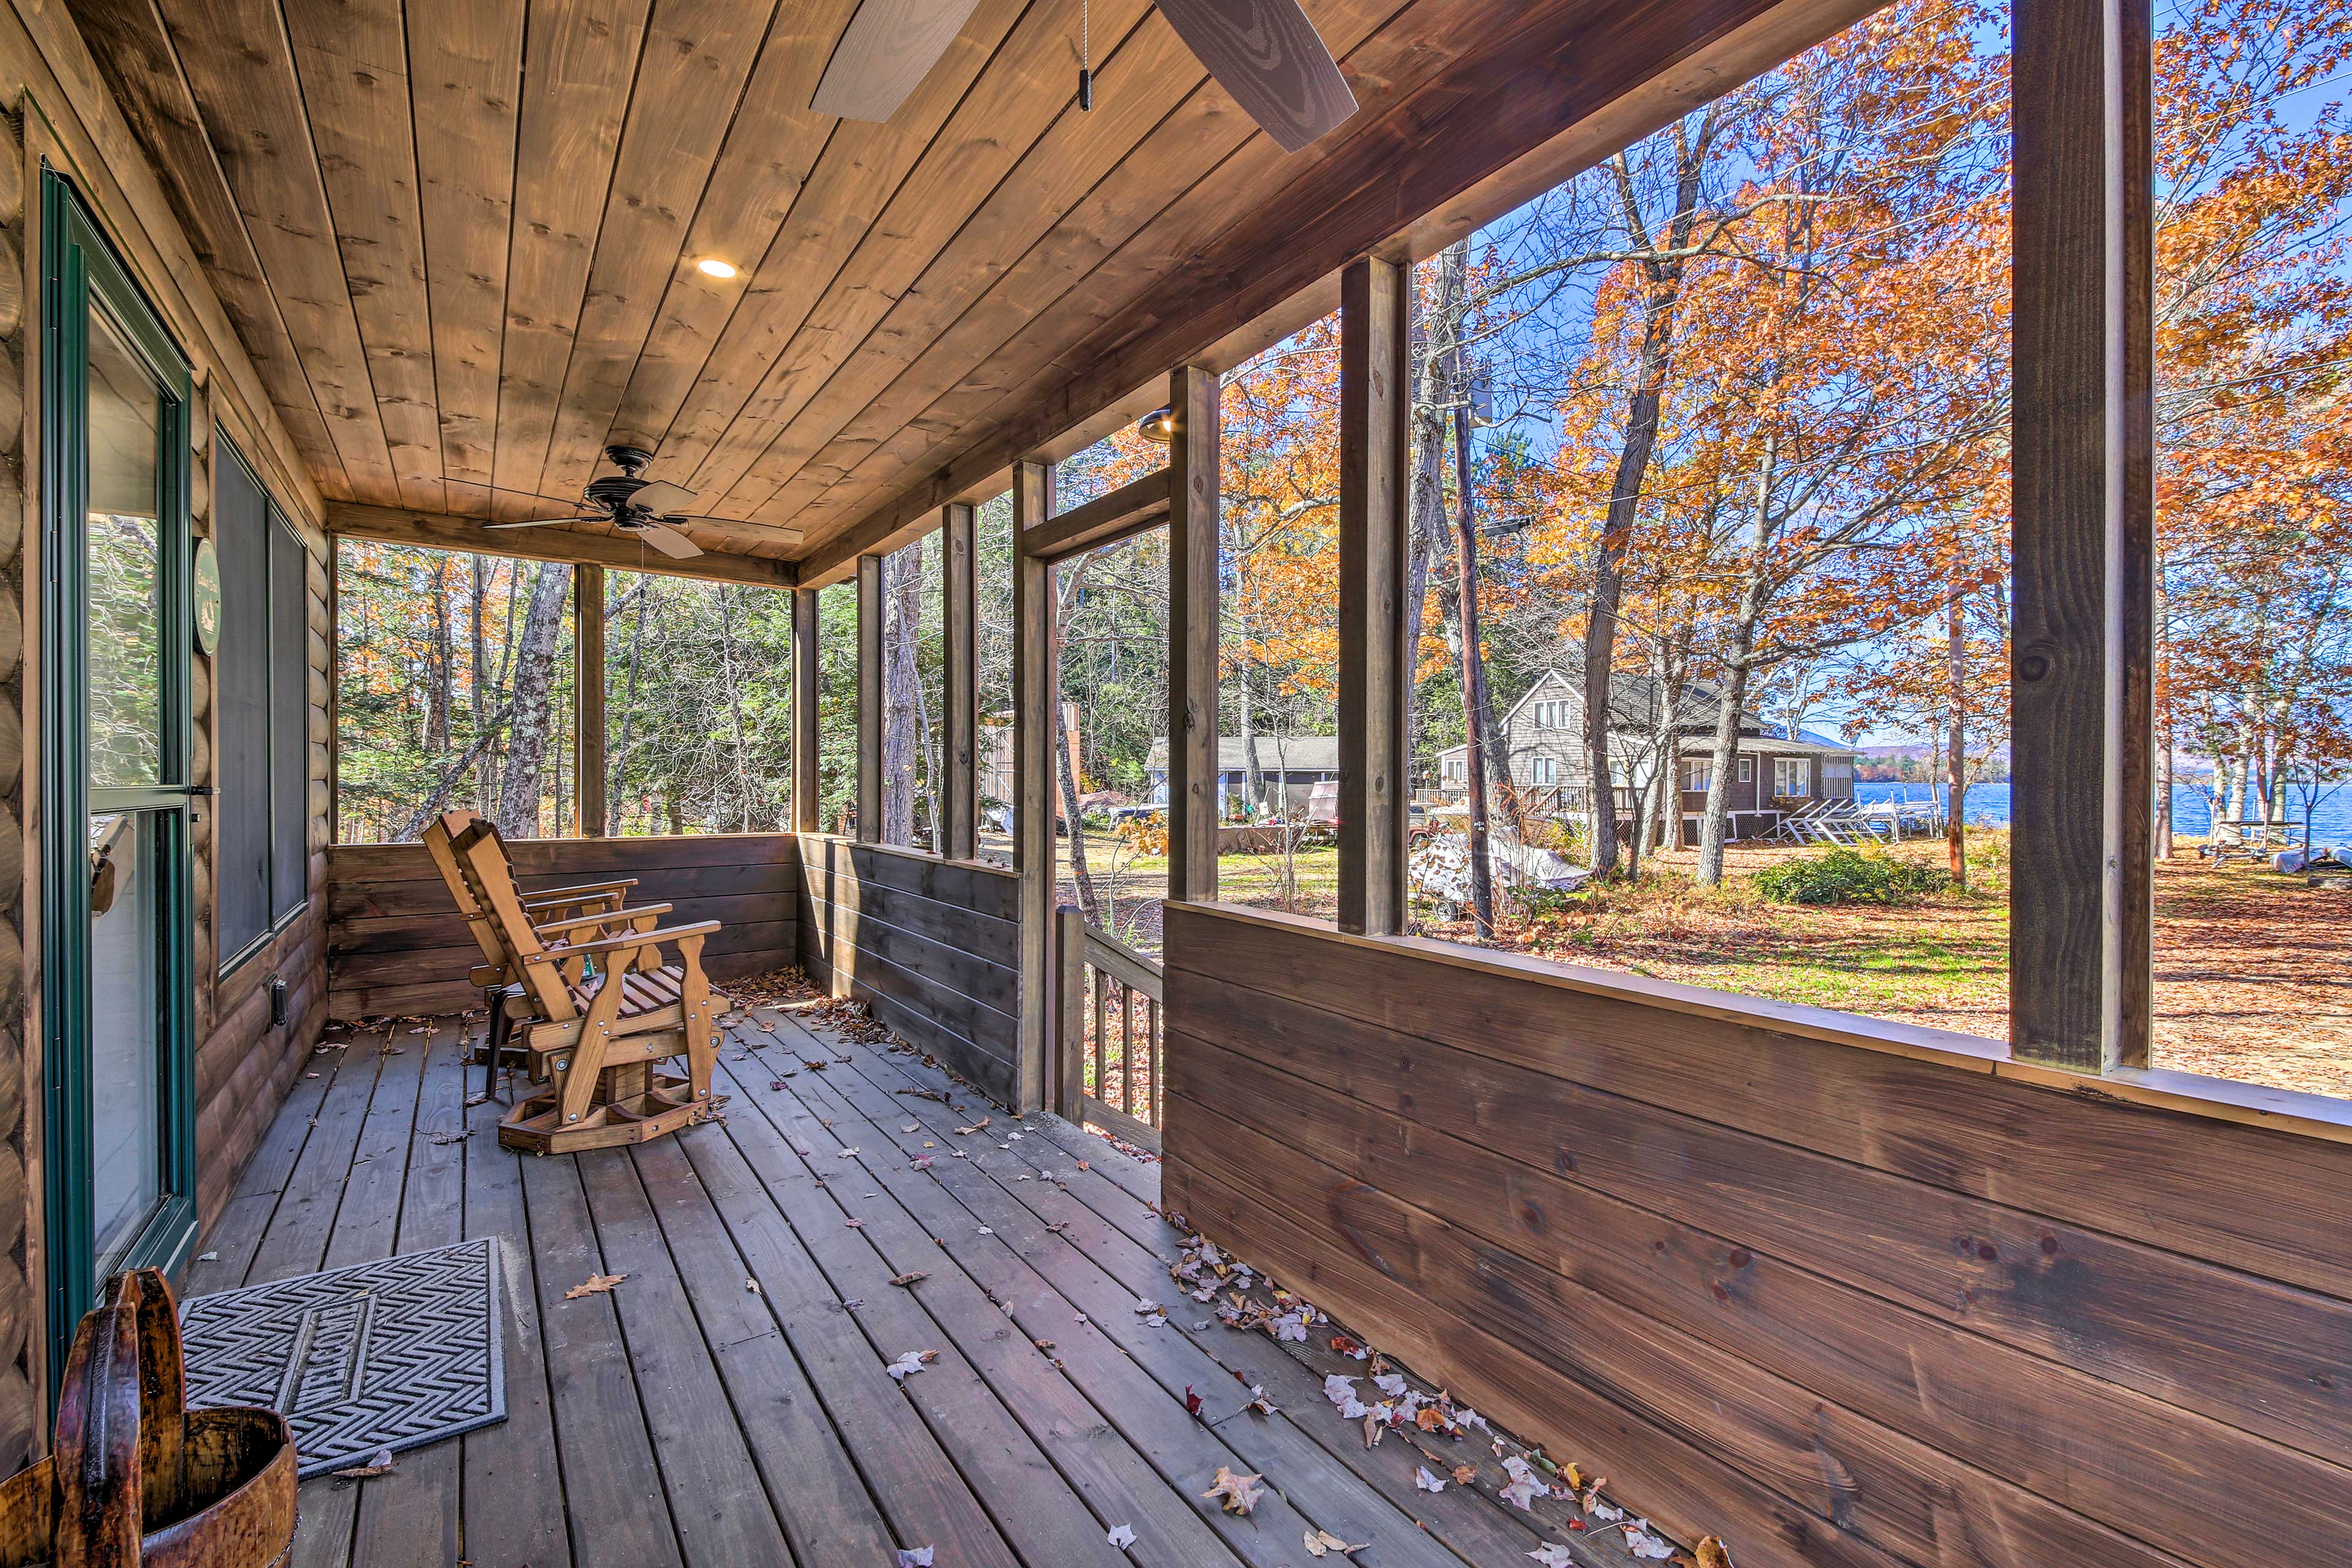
[(641, 508), (1264, 52)]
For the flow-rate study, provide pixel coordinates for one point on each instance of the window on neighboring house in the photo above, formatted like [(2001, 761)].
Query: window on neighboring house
[(1551, 715), (1454, 769), (1792, 776), (1697, 773), (261, 677), (1747, 769), (1542, 770), (1837, 772)]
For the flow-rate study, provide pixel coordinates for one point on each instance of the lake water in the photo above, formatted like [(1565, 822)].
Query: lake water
[(2331, 819)]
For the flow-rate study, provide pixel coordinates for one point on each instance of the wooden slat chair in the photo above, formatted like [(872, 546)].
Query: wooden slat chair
[(596, 1040), (552, 910)]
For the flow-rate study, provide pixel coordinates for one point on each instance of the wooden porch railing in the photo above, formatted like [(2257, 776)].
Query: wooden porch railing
[(1107, 989)]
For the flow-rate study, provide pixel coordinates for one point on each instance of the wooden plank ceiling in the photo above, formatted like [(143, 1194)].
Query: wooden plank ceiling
[(461, 238)]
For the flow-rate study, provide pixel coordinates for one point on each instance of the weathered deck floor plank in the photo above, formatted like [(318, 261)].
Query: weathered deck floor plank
[(727, 1402)]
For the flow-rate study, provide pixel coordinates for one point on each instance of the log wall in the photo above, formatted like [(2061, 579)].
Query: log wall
[(396, 944), (931, 943), (1839, 1305), (54, 107)]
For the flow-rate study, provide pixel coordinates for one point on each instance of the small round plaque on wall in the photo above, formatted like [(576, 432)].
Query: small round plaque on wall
[(205, 589)]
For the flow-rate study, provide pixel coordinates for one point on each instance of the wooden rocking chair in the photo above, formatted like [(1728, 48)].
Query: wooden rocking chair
[(594, 1040), (584, 907)]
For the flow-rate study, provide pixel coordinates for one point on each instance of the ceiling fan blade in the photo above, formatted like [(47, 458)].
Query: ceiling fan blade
[(888, 47), (668, 539), (539, 523), (1270, 58), (661, 497)]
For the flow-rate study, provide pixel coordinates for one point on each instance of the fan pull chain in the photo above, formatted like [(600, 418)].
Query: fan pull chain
[(1085, 56)]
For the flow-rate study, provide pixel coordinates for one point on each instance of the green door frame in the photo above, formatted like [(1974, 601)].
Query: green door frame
[(80, 269)]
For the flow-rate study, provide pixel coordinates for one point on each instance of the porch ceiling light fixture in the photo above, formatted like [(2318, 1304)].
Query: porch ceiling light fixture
[(711, 266), (1160, 425)]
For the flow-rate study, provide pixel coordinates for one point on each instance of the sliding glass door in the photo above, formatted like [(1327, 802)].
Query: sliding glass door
[(120, 1149)]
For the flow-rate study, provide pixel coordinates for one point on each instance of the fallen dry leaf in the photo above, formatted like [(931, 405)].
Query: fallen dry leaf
[(597, 1284), (1712, 1554), (1237, 1494), (1465, 1474), (1320, 1541), (377, 1464), (909, 1278), (1121, 1536), (1425, 1481)]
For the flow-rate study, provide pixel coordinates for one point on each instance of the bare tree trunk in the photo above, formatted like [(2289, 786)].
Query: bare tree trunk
[(1253, 776), (480, 707), (1475, 706), (2164, 714), (1425, 498), (1073, 576), (1956, 755), (534, 678), (1712, 825), (1661, 293), (441, 677), (617, 789), (931, 768), (734, 707), (903, 594)]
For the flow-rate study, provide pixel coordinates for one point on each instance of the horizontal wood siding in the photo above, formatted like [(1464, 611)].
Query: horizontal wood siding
[(930, 944), (396, 944), (1839, 1305)]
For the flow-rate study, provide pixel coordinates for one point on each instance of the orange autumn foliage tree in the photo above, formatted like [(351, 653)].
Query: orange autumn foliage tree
[(2253, 309), (1832, 420)]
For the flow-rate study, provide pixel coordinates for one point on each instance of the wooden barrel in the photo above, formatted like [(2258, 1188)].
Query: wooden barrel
[(135, 1476)]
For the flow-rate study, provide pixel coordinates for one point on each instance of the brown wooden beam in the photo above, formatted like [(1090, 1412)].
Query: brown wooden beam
[(960, 790), (1192, 519), (2080, 458), (1036, 710), (437, 530), (588, 697), (1375, 642), (870, 697), (807, 787), (1105, 520), (2135, 891)]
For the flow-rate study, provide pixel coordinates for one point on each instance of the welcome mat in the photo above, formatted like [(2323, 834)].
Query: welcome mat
[(378, 1356)]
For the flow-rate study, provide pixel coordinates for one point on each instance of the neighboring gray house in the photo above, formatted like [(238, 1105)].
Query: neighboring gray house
[(1544, 735), (1292, 765)]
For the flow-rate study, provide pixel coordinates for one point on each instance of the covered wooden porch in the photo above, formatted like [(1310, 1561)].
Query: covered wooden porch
[(727, 1400), (1832, 1290)]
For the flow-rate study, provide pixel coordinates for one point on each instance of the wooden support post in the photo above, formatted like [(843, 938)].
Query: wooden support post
[(588, 697), (1036, 710), (1192, 785), (334, 693), (807, 791), (2082, 461), (1375, 660), (1070, 1013), (869, 698), (960, 791)]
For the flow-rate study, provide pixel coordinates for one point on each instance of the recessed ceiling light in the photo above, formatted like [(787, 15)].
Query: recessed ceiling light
[(711, 266)]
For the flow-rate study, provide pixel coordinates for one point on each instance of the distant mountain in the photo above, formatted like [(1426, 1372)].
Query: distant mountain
[(1920, 750)]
